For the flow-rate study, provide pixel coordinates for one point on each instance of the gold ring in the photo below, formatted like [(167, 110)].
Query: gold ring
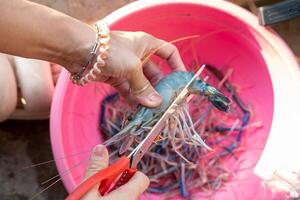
[(137, 92)]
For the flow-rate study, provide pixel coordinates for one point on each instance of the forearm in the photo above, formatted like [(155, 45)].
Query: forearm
[(35, 31)]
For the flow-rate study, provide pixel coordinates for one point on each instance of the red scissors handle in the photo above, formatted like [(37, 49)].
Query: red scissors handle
[(109, 178)]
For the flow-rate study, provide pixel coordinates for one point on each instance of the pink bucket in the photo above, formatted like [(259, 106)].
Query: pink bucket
[(229, 36)]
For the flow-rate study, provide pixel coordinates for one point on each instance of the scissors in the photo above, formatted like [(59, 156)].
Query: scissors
[(124, 168)]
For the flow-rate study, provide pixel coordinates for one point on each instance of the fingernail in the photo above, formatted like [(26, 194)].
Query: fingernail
[(99, 150), (154, 97)]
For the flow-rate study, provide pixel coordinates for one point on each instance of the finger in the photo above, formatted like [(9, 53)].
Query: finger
[(119, 84), (98, 161), (123, 88), (152, 72), (136, 185), (168, 52), (142, 89)]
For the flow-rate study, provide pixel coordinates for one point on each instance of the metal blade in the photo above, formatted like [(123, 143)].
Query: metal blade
[(144, 146)]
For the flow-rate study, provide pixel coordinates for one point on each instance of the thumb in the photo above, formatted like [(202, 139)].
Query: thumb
[(136, 185), (142, 89), (98, 161)]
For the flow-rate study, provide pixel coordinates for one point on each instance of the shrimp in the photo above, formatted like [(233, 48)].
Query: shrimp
[(169, 87)]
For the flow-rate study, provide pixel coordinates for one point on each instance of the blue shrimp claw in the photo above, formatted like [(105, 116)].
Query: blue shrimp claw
[(217, 99)]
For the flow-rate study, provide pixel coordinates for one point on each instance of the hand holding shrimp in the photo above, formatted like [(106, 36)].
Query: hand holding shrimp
[(127, 70)]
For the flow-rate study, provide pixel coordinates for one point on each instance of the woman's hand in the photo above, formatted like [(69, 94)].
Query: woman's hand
[(129, 69), (130, 191)]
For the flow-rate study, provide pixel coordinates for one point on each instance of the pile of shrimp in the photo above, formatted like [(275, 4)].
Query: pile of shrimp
[(176, 164)]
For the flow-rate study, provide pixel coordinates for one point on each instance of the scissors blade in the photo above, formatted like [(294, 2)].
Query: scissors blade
[(144, 146)]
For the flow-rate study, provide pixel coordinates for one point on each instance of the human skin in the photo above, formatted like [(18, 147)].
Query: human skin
[(50, 35), (130, 191)]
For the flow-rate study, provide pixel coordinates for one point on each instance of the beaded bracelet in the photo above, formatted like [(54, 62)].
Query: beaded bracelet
[(101, 44)]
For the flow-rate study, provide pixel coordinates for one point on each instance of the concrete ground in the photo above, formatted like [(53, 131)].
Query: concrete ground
[(24, 143)]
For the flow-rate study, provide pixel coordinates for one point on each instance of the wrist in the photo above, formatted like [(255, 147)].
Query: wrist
[(79, 41), (97, 55)]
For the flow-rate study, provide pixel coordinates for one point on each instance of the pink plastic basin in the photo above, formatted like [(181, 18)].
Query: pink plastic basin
[(229, 36)]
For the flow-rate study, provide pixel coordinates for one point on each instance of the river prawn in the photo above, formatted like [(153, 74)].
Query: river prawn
[(169, 87)]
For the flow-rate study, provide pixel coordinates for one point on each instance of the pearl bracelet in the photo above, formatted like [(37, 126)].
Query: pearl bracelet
[(101, 46)]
